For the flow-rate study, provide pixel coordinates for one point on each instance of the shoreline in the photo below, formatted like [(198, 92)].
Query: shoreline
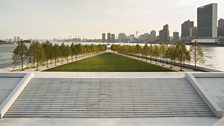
[(187, 67), (51, 65)]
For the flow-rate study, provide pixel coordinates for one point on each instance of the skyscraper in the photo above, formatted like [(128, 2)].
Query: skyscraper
[(161, 35), (175, 36), (152, 36), (187, 30), (194, 32), (103, 37), (221, 27), (108, 37), (144, 37), (113, 38), (164, 35), (132, 38), (122, 37), (207, 21)]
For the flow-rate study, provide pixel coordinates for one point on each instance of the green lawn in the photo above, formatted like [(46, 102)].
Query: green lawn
[(109, 62)]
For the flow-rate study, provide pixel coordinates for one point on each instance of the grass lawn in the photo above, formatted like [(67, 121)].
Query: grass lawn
[(109, 62)]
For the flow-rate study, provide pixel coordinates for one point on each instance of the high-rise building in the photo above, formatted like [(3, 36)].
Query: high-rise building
[(103, 37), (194, 32), (16, 38), (108, 37), (175, 36), (136, 34), (132, 38), (122, 37), (144, 37), (187, 30), (112, 37), (160, 35), (207, 21), (152, 36), (221, 27), (164, 35)]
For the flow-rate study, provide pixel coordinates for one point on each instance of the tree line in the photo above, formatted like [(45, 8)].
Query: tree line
[(173, 53), (47, 53)]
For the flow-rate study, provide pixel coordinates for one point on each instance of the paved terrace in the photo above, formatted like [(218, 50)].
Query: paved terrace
[(116, 99), (109, 98)]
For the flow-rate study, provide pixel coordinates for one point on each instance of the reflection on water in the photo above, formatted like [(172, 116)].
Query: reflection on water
[(6, 55), (214, 56)]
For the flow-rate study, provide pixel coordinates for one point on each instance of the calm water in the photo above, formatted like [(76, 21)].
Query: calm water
[(214, 56), (6, 55)]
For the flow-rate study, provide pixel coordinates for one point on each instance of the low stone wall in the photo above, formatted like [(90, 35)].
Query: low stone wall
[(6, 104), (208, 99)]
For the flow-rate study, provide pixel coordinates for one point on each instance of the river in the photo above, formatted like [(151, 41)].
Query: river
[(214, 56)]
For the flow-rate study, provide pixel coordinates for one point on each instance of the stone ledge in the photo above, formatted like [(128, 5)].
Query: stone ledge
[(210, 101), (6, 104)]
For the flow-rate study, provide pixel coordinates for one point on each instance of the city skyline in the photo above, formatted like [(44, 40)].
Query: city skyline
[(48, 19)]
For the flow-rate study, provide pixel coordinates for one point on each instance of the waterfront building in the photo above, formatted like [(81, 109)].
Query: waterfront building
[(221, 27), (160, 35), (108, 37), (175, 36), (164, 34), (207, 21), (103, 37), (113, 38), (144, 37), (194, 32), (152, 36), (187, 29), (16, 38), (132, 38), (122, 37)]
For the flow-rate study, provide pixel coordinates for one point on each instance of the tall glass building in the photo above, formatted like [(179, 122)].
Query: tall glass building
[(207, 21)]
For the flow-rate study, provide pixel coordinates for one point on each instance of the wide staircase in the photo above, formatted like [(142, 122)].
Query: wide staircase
[(108, 98)]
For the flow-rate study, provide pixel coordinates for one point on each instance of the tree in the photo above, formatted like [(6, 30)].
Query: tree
[(151, 51), (63, 52), (146, 51), (36, 53), (156, 51), (68, 52), (170, 53), (196, 54), (73, 50), (163, 49), (20, 55), (181, 53), (138, 49), (49, 51), (57, 53)]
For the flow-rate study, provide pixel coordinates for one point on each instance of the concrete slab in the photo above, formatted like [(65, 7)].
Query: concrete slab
[(109, 75), (11, 85), (215, 87), (7, 84), (210, 86), (177, 121)]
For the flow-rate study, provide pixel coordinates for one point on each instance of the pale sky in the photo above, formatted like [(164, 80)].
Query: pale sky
[(45, 19)]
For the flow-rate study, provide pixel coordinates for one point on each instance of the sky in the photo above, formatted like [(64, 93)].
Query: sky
[(47, 19)]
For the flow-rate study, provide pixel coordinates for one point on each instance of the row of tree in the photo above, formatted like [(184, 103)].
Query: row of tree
[(44, 53), (164, 52)]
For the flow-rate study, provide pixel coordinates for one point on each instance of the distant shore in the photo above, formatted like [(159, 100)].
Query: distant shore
[(5, 43)]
